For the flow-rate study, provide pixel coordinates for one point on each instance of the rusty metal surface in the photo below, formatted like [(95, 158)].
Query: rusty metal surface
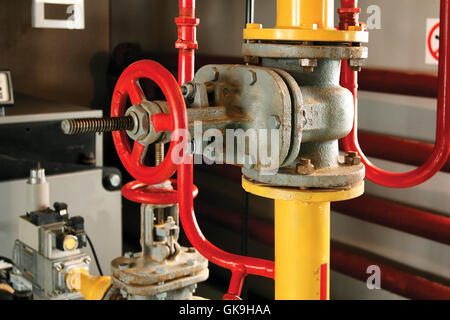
[(300, 96), (299, 119), (327, 178), (270, 50), (255, 93), (166, 287), (214, 117), (137, 276), (163, 269)]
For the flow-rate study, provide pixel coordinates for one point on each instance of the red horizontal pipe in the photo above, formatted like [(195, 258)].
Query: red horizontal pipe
[(386, 213), (401, 150), (395, 216), (399, 82), (392, 279)]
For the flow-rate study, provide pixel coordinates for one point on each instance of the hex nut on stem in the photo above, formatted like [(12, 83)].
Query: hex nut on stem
[(188, 90)]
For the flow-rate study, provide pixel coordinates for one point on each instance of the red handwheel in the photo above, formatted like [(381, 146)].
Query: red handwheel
[(175, 122)]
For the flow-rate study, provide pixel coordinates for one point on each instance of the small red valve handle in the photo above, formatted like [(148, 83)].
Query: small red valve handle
[(176, 122), (164, 194)]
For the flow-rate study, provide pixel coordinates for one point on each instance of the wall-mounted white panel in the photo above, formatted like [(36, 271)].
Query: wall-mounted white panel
[(75, 11)]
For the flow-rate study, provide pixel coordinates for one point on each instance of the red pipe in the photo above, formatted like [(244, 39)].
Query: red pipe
[(406, 151), (382, 212), (391, 215), (187, 40), (349, 14), (240, 266), (399, 82), (441, 150), (392, 279)]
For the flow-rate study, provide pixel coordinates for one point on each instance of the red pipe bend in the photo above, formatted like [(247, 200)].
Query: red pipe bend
[(235, 263), (441, 150), (240, 266)]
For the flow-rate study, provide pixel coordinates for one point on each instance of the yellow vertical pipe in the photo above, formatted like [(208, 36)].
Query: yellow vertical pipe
[(302, 250), (288, 13), (307, 14)]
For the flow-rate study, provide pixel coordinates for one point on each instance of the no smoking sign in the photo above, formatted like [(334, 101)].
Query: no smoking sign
[(432, 42)]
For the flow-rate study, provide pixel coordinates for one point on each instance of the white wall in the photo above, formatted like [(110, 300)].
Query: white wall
[(400, 44)]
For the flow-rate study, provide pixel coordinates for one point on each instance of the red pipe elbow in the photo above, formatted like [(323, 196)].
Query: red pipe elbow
[(441, 150), (240, 266)]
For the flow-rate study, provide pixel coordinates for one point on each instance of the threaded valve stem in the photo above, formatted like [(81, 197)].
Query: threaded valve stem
[(93, 125)]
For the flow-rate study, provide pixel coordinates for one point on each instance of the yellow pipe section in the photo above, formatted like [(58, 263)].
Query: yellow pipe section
[(305, 20), (288, 13), (305, 14), (302, 250), (302, 237), (91, 287)]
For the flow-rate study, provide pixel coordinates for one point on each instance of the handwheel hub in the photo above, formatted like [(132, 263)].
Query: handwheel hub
[(144, 131)]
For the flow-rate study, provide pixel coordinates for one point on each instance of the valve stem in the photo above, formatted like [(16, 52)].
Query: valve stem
[(159, 153), (93, 125)]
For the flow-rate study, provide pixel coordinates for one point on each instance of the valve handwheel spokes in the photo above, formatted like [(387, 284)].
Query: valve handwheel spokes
[(133, 157)]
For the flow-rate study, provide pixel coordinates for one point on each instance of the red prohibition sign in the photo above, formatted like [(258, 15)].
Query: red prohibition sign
[(434, 52)]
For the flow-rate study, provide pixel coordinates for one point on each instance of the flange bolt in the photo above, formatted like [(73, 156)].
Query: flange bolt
[(352, 158), (305, 167)]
